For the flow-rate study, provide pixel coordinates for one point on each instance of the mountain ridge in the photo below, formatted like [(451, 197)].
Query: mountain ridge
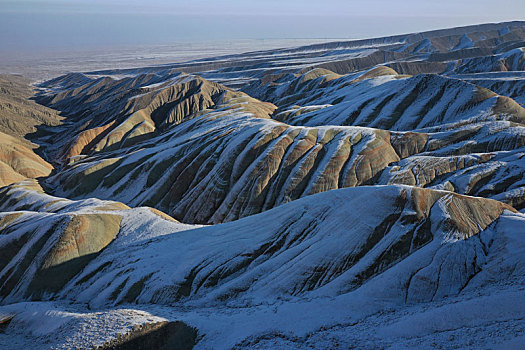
[(364, 193)]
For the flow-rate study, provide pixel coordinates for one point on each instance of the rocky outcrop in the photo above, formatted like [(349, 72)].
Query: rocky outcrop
[(161, 335)]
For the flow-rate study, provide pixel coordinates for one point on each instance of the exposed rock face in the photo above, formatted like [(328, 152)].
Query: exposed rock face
[(19, 118), (162, 335), (83, 237), (227, 162), (513, 60), (400, 103), (225, 165), (513, 88), (85, 140), (444, 122)]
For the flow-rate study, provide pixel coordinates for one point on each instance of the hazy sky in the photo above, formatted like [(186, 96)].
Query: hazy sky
[(58, 24)]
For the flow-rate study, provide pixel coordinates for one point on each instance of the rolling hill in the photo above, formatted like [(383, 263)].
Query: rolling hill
[(366, 193)]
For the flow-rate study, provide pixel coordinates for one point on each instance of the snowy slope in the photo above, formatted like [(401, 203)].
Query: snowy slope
[(415, 254), (311, 247), (396, 102), (361, 194), (228, 162)]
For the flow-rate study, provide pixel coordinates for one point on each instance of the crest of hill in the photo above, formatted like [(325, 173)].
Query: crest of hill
[(70, 235), (381, 98), (133, 109), (230, 160), (333, 248)]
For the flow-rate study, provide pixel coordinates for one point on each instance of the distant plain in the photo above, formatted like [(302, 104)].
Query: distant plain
[(44, 65)]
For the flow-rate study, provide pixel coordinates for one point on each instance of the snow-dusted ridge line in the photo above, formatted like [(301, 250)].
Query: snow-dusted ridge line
[(313, 253), (321, 247), (371, 201)]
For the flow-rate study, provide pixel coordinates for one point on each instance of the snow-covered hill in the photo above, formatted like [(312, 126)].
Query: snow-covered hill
[(350, 194), (383, 246), (231, 160)]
